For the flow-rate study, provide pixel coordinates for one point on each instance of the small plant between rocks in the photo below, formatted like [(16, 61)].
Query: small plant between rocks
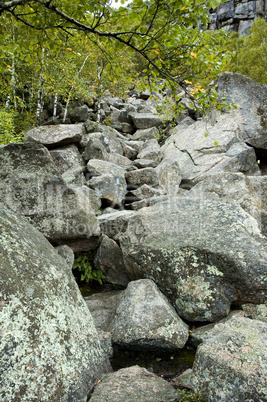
[(87, 273)]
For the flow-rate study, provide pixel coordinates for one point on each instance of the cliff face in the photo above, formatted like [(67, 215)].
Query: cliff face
[(237, 15)]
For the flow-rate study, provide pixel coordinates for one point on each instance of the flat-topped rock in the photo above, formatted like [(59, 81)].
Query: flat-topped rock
[(57, 135), (145, 120)]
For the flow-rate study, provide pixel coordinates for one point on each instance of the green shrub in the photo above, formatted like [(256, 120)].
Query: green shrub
[(88, 274), (8, 127), (250, 53)]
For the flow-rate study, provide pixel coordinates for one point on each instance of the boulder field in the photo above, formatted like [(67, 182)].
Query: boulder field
[(179, 224)]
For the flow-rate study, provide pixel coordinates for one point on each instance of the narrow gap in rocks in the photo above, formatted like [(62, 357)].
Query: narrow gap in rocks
[(166, 365), (261, 155)]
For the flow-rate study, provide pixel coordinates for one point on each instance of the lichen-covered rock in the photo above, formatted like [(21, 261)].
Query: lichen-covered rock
[(31, 185), (203, 254), (49, 347), (66, 253), (255, 311), (145, 319), (231, 365), (133, 384), (247, 191), (55, 136)]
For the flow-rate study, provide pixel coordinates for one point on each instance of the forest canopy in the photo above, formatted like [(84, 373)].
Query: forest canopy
[(79, 48)]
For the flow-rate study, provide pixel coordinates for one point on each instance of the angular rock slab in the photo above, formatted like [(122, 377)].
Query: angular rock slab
[(30, 185), (251, 99), (203, 149), (55, 136), (49, 347), (231, 365), (133, 384), (202, 254), (145, 319), (145, 120), (247, 191)]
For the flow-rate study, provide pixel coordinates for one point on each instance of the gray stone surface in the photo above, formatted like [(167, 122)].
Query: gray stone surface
[(145, 120), (109, 259), (146, 134), (49, 347), (169, 175), (201, 334), (231, 365), (142, 176), (255, 311), (251, 114), (201, 253), (150, 150), (246, 191), (70, 164), (115, 224), (146, 320), (205, 148), (103, 308), (109, 188), (55, 136), (133, 384), (31, 186), (66, 252)]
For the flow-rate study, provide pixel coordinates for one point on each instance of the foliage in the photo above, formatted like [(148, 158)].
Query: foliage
[(7, 127), (250, 53), (185, 396), (88, 274), (81, 48)]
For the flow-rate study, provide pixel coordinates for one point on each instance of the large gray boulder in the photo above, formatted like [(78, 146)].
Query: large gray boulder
[(204, 148), (31, 186), (231, 364), (55, 136), (133, 384), (203, 254), (251, 114), (49, 347), (146, 320), (246, 191)]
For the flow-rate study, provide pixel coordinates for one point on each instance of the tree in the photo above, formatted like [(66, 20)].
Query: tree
[(163, 33), (250, 53)]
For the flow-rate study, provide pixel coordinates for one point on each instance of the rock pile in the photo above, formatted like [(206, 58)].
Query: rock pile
[(181, 226)]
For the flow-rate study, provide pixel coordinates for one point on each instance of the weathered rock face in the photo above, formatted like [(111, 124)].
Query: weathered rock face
[(200, 253), (145, 319), (109, 260), (251, 114), (133, 384), (55, 136), (197, 155), (31, 186), (237, 15), (70, 164), (49, 347), (230, 366), (236, 188)]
